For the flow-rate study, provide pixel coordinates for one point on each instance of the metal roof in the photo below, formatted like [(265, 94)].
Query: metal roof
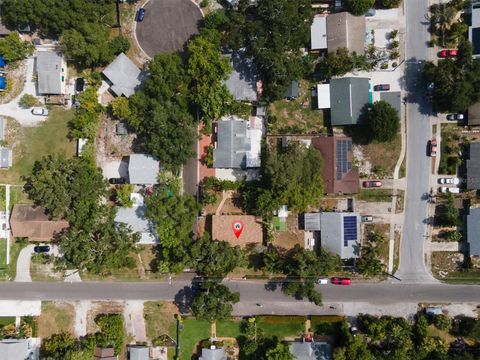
[(143, 169), (292, 91), (312, 221), (124, 76), (13, 349), (348, 97), (213, 354), (135, 218), (473, 167), (242, 82), (337, 234), (318, 33), (49, 72), (139, 353), (473, 232), (6, 158)]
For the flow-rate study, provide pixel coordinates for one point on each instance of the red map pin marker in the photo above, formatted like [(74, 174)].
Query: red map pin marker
[(237, 227)]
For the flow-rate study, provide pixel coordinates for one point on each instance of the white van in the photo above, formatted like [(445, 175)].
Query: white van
[(453, 190), (40, 111)]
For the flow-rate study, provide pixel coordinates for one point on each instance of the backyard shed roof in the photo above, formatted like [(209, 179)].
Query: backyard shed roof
[(337, 172), (323, 96), (242, 82), (473, 167), (124, 76), (318, 33), (348, 98), (6, 158), (49, 72), (143, 169), (139, 353), (346, 31), (222, 229), (292, 90), (13, 349), (473, 232), (31, 222), (104, 354)]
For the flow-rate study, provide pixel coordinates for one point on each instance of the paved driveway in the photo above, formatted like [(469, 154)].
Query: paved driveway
[(23, 264), (167, 25)]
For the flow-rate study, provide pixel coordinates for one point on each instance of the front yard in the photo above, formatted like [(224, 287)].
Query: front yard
[(56, 317)]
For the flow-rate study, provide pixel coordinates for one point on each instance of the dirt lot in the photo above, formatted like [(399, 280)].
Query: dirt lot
[(55, 317), (382, 157), (291, 237), (159, 318), (446, 262)]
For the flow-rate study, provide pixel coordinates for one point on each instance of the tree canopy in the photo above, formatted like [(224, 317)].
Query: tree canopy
[(384, 121), (273, 31), (359, 7), (214, 302), (13, 48)]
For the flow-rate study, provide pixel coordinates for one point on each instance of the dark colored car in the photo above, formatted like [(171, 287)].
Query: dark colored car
[(79, 84), (371, 184), (455, 117), (117, 181), (381, 87), (341, 281), (41, 249), (140, 14)]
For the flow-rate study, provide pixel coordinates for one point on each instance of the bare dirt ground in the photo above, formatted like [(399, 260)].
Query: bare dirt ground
[(291, 237), (110, 146)]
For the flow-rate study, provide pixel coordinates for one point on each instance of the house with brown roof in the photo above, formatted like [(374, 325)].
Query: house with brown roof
[(32, 222), (104, 354), (346, 31), (338, 174), (240, 230)]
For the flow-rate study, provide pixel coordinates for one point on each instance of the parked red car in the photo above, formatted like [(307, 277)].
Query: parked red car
[(341, 281), (448, 53), (371, 184)]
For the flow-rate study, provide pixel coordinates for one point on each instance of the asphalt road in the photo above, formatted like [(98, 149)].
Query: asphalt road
[(167, 25), (412, 259), (250, 291)]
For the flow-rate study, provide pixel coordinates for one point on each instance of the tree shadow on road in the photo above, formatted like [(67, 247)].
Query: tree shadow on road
[(415, 86)]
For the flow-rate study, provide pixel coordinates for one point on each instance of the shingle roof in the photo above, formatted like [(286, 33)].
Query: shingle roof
[(143, 169), (6, 158), (139, 353), (31, 222), (346, 31), (13, 349), (124, 75), (473, 167), (242, 82), (318, 33), (473, 232), (337, 172), (49, 72), (311, 350), (222, 229), (348, 97), (213, 354)]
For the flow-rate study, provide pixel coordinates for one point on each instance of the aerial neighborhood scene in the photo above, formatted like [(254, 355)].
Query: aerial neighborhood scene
[(240, 179)]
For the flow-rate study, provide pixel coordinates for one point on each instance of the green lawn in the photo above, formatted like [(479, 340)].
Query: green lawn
[(375, 195), (281, 326), (326, 325), (229, 328), (193, 332), (7, 320), (460, 277), (32, 143), (9, 271)]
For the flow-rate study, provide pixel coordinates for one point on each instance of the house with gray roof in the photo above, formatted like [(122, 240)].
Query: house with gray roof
[(318, 33), (213, 353), (339, 232), (238, 144), (15, 349), (135, 218), (474, 28), (473, 231), (123, 76), (51, 73), (303, 350), (143, 169), (242, 82), (349, 97), (137, 352), (473, 167), (345, 30), (6, 158)]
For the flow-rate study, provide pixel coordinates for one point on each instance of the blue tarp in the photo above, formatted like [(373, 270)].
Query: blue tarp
[(2, 61), (3, 83)]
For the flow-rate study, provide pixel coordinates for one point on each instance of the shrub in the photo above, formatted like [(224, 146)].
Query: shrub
[(28, 101), (204, 3), (442, 322), (123, 195)]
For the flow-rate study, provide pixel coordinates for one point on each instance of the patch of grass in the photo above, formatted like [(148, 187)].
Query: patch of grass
[(396, 251), (229, 328), (193, 332), (2, 198), (376, 195), (449, 146), (159, 319), (55, 318), (8, 272), (18, 196), (462, 277), (444, 335), (7, 320), (403, 168), (123, 274), (383, 156), (281, 326), (326, 325), (32, 143), (290, 117)]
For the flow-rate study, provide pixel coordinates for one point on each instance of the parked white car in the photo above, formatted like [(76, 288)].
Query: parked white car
[(322, 281), (453, 190), (40, 111), (453, 181)]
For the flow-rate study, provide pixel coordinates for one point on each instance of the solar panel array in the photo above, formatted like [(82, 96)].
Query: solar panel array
[(343, 147), (349, 229)]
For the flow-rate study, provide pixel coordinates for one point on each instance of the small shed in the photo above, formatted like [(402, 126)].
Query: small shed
[(6, 158), (292, 91), (80, 144), (323, 96), (121, 129)]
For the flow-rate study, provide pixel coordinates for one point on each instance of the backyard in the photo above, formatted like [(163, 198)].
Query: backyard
[(32, 143)]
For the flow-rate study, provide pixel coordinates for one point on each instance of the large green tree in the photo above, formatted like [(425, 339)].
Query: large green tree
[(359, 7), (281, 351), (273, 31), (13, 48), (384, 121), (214, 302)]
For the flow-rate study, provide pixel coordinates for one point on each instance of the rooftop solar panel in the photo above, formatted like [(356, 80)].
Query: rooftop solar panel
[(349, 229)]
